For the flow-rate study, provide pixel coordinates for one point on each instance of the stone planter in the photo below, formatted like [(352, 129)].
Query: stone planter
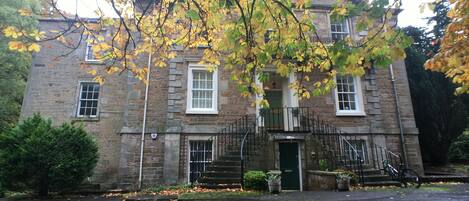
[(275, 186), (321, 180), (274, 181), (343, 184)]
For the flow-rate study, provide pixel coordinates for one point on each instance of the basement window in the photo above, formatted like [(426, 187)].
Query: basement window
[(359, 146), (88, 99), (200, 156)]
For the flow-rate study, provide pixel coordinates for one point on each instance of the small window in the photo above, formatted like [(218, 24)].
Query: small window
[(358, 149), (202, 90), (200, 156), (89, 54), (88, 99), (339, 30), (348, 95)]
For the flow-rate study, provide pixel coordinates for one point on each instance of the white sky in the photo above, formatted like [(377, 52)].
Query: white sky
[(410, 15)]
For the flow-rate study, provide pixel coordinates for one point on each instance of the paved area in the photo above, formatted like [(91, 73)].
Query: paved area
[(433, 192)]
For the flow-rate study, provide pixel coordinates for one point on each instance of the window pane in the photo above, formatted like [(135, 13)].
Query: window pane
[(88, 99), (93, 111), (346, 93), (202, 89), (339, 30)]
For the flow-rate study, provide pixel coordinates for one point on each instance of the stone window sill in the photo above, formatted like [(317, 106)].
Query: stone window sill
[(350, 114), (85, 119), (201, 112), (95, 62)]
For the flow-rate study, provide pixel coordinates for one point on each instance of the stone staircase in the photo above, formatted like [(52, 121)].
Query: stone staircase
[(368, 174), (374, 177), (224, 172)]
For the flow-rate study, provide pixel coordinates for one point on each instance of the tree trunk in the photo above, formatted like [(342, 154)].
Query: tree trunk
[(43, 189)]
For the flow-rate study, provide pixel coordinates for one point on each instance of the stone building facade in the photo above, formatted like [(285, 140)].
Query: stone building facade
[(56, 88)]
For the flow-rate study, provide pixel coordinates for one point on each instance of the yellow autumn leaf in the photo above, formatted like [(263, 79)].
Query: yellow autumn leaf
[(25, 12), (92, 72), (99, 79), (341, 10), (12, 32), (34, 47), (16, 45)]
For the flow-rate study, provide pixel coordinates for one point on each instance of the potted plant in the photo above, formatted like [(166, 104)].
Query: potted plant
[(274, 181), (343, 182)]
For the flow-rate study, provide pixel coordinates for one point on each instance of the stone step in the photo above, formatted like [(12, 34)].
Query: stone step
[(220, 186), (382, 183), (226, 163), (376, 178), (230, 158), (214, 167), (372, 172), (222, 174), (219, 180)]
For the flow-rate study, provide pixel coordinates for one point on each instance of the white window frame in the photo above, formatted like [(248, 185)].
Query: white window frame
[(80, 90), (189, 108), (359, 107), (87, 51), (347, 28)]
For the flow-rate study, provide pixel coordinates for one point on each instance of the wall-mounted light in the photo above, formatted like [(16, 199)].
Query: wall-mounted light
[(154, 136)]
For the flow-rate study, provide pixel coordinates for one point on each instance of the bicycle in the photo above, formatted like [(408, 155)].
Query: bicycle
[(406, 176)]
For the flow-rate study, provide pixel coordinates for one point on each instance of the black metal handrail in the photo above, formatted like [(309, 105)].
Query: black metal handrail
[(382, 154), (284, 119), (242, 157), (248, 134), (336, 147), (359, 158)]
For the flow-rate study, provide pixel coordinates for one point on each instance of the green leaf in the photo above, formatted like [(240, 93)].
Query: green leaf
[(194, 15)]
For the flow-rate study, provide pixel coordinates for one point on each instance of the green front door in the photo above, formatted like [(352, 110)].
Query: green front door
[(274, 114), (289, 166)]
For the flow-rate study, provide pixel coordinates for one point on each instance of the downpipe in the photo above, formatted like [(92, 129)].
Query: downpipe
[(144, 124), (398, 113)]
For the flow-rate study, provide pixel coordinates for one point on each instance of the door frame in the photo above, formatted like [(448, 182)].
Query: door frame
[(300, 169)]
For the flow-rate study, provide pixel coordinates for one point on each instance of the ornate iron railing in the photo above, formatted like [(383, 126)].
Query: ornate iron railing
[(286, 119), (248, 134), (338, 150), (381, 154)]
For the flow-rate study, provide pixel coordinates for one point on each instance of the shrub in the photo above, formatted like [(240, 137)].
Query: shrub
[(459, 149), (2, 192), (255, 180), (39, 157), (353, 176), (323, 166)]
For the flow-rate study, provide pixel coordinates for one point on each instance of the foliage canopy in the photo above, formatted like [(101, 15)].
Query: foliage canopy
[(243, 36), (13, 65), (453, 56)]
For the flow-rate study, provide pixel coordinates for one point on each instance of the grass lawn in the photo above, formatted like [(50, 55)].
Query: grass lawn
[(426, 187), (220, 194)]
